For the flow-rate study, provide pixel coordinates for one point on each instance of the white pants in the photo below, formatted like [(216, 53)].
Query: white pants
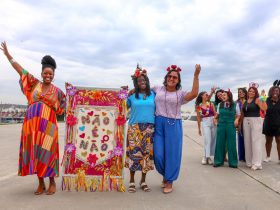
[(209, 133), (252, 131)]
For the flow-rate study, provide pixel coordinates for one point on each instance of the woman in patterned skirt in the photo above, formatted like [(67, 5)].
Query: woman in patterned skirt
[(139, 152), (39, 151)]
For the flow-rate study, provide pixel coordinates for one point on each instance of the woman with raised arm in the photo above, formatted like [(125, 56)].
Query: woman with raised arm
[(168, 124), (39, 151)]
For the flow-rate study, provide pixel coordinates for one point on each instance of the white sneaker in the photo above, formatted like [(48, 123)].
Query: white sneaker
[(267, 159), (254, 167), (209, 161), (249, 165), (204, 161)]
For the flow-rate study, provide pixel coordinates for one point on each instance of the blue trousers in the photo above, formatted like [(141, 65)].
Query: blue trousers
[(241, 147), (168, 140)]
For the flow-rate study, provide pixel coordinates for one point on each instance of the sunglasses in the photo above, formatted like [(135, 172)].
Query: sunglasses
[(172, 77)]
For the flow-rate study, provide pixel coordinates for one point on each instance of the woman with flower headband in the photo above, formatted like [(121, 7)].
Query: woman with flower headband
[(139, 152), (271, 125), (228, 114), (205, 113), (242, 97), (39, 151), (168, 124), (252, 125)]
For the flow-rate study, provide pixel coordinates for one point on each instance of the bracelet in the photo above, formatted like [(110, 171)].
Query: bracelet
[(12, 61)]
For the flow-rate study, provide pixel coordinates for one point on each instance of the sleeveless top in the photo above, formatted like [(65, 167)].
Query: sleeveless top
[(251, 109)]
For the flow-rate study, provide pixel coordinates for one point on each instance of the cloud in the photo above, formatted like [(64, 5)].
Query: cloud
[(99, 43)]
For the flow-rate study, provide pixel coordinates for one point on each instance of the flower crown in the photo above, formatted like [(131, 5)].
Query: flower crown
[(253, 84), (138, 72), (174, 68)]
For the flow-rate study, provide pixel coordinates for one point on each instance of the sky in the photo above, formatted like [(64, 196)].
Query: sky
[(99, 43)]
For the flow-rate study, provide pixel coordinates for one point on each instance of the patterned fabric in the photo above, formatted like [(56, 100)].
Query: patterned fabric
[(39, 151), (139, 150), (207, 111)]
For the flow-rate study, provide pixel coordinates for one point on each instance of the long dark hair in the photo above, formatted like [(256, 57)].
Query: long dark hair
[(178, 86), (199, 98), (137, 88), (245, 93), (230, 99), (256, 92), (217, 100)]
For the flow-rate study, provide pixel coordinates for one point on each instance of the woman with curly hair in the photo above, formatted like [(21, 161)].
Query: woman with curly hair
[(39, 151), (205, 114), (168, 139), (271, 125)]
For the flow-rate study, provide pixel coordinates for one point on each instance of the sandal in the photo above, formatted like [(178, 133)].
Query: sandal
[(51, 191), (169, 189), (40, 190), (131, 188), (145, 187)]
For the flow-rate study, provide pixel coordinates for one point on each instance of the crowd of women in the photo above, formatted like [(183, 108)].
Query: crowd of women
[(251, 116), (155, 132)]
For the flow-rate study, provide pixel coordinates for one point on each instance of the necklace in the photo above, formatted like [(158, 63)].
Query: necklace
[(169, 121)]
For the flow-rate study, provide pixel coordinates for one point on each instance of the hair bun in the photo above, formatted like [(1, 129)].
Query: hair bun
[(48, 61)]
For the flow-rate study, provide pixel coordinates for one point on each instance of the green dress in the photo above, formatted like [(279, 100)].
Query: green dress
[(226, 137)]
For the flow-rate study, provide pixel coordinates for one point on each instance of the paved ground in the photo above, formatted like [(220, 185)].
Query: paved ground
[(199, 187)]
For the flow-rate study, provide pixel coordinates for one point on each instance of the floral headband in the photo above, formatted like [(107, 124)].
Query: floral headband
[(138, 72), (174, 68), (253, 84)]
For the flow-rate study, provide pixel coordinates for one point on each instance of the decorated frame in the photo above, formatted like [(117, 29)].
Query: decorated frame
[(93, 157)]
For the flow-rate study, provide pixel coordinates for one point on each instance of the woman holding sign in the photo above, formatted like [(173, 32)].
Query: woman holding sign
[(39, 151), (139, 152), (168, 124)]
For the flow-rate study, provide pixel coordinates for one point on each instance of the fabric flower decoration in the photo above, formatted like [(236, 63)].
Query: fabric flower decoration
[(97, 95), (70, 90), (121, 120), (122, 94), (118, 151), (71, 120), (70, 148), (173, 67), (92, 159), (137, 73)]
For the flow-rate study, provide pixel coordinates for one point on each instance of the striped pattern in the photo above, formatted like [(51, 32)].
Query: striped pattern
[(39, 151)]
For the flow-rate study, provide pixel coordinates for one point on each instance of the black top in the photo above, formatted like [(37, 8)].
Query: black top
[(251, 109), (272, 116)]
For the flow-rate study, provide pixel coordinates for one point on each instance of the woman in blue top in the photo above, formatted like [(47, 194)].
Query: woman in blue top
[(139, 151)]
